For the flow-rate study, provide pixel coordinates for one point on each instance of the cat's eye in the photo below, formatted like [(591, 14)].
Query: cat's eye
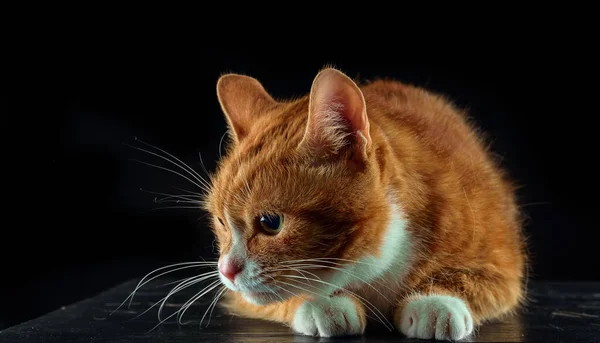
[(221, 221), (271, 223)]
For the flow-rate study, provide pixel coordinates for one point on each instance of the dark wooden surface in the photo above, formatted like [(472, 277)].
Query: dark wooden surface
[(559, 312)]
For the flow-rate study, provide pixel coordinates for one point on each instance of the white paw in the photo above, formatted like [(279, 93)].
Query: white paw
[(439, 316), (336, 316)]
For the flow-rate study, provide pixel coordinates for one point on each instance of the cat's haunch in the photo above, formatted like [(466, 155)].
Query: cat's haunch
[(356, 205)]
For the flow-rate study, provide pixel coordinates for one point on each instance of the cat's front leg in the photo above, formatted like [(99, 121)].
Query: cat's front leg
[(330, 317)]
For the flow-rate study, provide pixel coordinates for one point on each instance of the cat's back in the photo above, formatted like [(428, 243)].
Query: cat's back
[(400, 110)]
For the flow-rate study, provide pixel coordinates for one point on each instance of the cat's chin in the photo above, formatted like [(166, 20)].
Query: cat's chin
[(262, 298)]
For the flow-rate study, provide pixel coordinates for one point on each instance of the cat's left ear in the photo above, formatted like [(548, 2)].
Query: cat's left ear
[(242, 99), (337, 117)]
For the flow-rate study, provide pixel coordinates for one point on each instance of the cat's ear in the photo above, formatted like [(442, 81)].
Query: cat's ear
[(337, 117), (242, 99)]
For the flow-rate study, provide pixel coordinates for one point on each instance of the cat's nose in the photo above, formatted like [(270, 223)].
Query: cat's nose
[(231, 267)]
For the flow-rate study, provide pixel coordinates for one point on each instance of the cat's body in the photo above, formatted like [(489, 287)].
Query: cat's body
[(387, 204)]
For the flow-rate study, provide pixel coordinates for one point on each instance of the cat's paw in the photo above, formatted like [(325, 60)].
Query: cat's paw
[(438, 316), (336, 316)]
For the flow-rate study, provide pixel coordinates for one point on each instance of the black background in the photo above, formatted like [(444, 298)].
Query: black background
[(81, 220)]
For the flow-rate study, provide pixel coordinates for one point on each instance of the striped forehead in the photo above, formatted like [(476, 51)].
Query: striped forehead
[(260, 149)]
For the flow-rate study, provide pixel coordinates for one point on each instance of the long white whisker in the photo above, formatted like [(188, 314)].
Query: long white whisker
[(190, 193), (189, 303), (177, 201), (296, 295), (172, 195), (141, 283), (201, 186), (212, 304), (275, 284), (166, 196), (182, 286), (202, 164), (292, 293), (300, 271), (378, 315), (353, 275), (176, 197), (196, 297), (349, 292), (322, 259), (215, 304), (302, 289), (183, 165), (172, 207), (174, 282), (303, 271), (325, 260)]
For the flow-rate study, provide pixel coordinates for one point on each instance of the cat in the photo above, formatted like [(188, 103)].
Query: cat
[(362, 203)]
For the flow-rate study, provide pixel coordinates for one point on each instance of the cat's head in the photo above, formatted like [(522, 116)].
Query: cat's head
[(299, 193)]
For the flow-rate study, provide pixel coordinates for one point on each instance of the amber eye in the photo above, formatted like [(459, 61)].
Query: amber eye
[(271, 223)]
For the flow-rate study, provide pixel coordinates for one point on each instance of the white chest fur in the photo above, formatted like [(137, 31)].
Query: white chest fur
[(377, 278)]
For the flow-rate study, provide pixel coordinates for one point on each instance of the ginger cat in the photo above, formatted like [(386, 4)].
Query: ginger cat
[(357, 204)]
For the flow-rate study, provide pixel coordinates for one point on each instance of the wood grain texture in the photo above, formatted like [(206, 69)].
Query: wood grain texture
[(557, 312)]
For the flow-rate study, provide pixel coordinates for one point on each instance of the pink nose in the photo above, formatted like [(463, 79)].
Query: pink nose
[(230, 268)]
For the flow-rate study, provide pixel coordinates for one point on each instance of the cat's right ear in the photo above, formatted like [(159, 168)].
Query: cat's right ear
[(242, 99), (337, 118)]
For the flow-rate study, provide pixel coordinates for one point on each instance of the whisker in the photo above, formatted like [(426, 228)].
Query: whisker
[(212, 305), (196, 297), (215, 305), (292, 293), (189, 192), (176, 201), (221, 143), (203, 187), (303, 271), (183, 165), (362, 300), (326, 260), (183, 286), (353, 275), (189, 303), (204, 215), (141, 283), (175, 198), (298, 296), (171, 195), (331, 258), (275, 284), (536, 203), (302, 289), (349, 292), (171, 207), (202, 164), (174, 282)]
